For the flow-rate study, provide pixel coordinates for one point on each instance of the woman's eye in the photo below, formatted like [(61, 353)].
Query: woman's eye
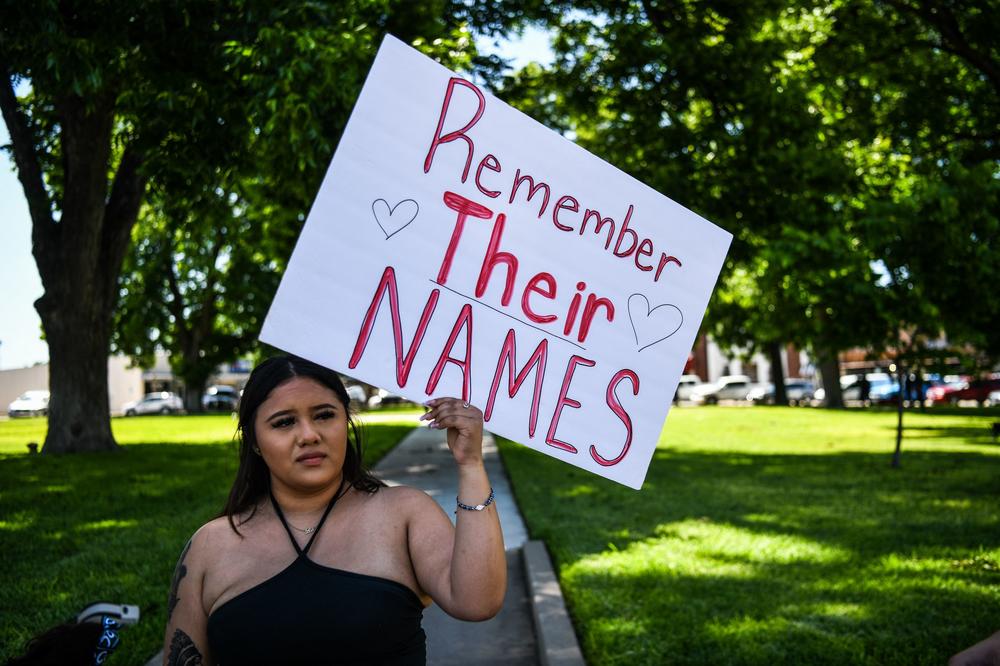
[(326, 415), (282, 422)]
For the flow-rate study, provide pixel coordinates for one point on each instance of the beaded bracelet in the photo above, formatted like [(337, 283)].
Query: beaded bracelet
[(478, 507)]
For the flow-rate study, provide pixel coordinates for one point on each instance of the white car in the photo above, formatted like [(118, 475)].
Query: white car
[(686, 385), (161, 402), (30, 403), (993, 399), (356, 393), (729, 387)]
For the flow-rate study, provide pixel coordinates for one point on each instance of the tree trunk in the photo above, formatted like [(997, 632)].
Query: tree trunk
[(78, 381), (901, 374), (190, 364), (829, 368), (79, 257), (777, 373), (194, 388)]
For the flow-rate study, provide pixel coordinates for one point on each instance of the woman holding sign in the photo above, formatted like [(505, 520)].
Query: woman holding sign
[(313, 560)]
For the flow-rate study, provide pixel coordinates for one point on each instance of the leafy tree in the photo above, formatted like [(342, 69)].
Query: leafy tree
[(209, 253), (116, 91), (923, 81), (714, 104), (123, 94), (197, 282), (805, 128)]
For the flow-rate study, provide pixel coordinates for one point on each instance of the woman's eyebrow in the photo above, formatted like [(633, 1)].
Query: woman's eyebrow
[(282, 412)]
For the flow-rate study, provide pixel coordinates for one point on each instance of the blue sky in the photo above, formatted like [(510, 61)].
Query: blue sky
[(20, 328)]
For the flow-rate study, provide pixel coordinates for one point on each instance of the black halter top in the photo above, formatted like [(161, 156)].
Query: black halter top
[(312, 614)]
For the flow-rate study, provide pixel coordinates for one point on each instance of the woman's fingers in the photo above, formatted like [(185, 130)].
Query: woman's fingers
[(451, 413)]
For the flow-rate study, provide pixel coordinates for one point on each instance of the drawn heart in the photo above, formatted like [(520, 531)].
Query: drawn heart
[(652, 325), (395, 219)]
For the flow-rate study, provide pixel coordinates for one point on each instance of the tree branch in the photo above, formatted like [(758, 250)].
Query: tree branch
[(953, 40), (120, 214), (85, 133), (29, 172), (947, 24), (206, 318), (176, 304)]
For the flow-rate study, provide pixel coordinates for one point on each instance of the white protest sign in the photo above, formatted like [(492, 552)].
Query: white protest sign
[(459, 248)]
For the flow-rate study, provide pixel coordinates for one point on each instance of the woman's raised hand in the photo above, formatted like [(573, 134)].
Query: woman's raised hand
[(465, 427)]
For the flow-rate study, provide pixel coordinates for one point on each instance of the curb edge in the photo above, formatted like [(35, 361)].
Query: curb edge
[(557, 642)]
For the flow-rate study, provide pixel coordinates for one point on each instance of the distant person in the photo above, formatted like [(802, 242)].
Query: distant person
[(864, 389), (313, 560), (917, 384)]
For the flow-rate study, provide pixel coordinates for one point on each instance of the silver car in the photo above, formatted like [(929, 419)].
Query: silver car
[(161, 402), (729, 387)]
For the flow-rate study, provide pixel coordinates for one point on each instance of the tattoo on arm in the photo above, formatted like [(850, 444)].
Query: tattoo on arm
[(179, 572), (183, 651)]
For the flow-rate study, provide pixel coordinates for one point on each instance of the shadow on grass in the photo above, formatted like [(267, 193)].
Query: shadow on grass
[(104, 526), (970, 434), (730, 557)]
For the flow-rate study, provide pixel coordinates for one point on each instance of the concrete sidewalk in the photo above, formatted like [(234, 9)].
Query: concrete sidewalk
[(422, 460), (533, 627)]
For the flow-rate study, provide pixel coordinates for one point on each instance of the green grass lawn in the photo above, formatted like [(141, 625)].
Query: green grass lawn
[(109, 527), (778, 535)]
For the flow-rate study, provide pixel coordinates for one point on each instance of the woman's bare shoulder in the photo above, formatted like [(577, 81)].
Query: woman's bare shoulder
[(407, 500), (404, 494), (213, 530), (216, 536)]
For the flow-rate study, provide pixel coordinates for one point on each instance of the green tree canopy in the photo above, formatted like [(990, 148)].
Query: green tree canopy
[(125, 94)]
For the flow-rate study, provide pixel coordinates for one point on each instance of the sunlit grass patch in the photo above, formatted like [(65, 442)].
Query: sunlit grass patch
[(778, 535)]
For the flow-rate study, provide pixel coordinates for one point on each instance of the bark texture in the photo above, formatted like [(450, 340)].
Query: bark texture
[(777, 373), (829, 368)]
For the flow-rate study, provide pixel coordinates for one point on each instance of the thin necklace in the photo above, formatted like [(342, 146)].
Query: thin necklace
[(307, 530), (310, 530)]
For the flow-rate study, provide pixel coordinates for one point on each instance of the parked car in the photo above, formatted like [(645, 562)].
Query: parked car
[(938, 394), (993, 399), (357, 394), (798, 391), (850, 386), (729, 387), (383, 398), (161, 402), (686, 385), (973, 389), (220, 398), (30, 403), (888, 394)]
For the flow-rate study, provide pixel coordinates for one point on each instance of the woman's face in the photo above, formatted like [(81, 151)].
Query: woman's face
[(301, 431)]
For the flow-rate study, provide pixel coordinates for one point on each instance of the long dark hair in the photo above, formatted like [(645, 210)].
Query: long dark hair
[(253, 479)]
